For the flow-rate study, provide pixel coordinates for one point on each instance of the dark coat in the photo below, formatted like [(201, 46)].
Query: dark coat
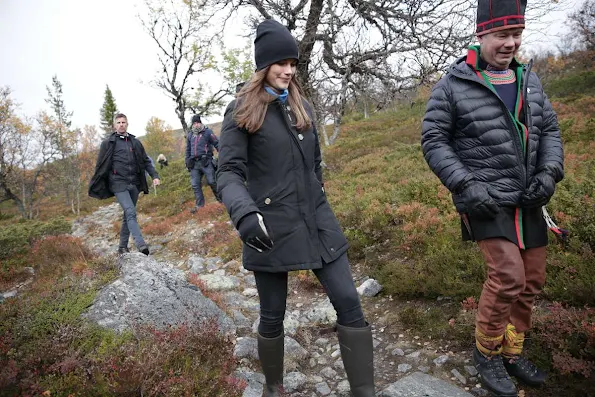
[(276, 172), (469, 134), (99, 185), (200, 145)]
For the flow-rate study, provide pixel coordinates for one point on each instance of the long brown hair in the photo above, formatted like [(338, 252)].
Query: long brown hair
[(253, 102)]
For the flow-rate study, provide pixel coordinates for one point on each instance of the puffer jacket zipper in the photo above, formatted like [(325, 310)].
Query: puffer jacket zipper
[(527, 109), (519, 146)]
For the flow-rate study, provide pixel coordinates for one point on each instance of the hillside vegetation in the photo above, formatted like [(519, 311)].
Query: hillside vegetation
[(401, 225)]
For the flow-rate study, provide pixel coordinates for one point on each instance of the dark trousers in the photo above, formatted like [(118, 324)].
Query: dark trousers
[(337, 281), (127, 200), (196, 174)]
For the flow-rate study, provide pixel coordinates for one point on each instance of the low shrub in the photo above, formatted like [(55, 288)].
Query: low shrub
[(17, 238)]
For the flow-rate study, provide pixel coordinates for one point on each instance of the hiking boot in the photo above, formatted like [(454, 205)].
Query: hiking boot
[(123, 250), (493, 374), (195, 208), (524, 370), (144, 249)]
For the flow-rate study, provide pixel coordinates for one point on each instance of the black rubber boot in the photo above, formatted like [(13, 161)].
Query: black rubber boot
[(524, 370), (270, 353), (357, 352), (493, 374)]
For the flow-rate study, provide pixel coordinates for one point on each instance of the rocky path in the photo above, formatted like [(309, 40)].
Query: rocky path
[(155, 289)]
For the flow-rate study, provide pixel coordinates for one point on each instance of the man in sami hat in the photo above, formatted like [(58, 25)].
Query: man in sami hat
[(491, 136)]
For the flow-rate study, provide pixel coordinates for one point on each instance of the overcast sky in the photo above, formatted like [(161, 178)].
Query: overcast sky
[(91, 43)]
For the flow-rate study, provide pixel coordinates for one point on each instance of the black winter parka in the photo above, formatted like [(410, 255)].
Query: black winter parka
[(276, 172), (99, 185)]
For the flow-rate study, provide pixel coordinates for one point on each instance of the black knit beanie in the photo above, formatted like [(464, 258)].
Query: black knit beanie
[(195, 119), (273, 43), (494, 15)]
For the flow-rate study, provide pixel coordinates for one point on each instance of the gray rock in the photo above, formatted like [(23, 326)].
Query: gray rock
[(291, 324), (215, 261), (253, 390), (293, 381), (250, 280), (250, 292), (440, 361), (329, 373), (471, 370), (294, 350), (322, 313), (369, 288), (404, 368), (233, 266), (313, 379), (219, 283), (397, 352), (148, 292), (343, 388), (414, 355), (418, 384), (322, 389), (424, 369), (459, 376), (219, 272), (249, 376), (246, 347), (239, 319), (478, 391)]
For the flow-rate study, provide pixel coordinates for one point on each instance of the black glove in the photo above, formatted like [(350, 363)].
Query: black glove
[(478, 201), (540, 191), (253, 232)]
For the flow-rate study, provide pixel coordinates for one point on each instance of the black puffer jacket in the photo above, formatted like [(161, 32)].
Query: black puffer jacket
[(276, 172), (468, 134)]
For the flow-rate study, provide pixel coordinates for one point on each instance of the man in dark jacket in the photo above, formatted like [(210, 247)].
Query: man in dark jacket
[(492, 138), (199, 159), (120, 171)]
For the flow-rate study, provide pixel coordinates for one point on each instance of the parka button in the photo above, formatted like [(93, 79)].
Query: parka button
[(300, 137), (332, 250), (267, 201)]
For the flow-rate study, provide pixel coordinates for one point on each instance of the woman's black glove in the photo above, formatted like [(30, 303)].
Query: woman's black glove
[(478, 201), (253, 232), (540, 191)]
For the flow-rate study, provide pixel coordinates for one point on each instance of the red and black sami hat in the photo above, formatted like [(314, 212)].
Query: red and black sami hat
[(494, 15)]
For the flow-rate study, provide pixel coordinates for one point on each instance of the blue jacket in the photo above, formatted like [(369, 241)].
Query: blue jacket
[(200, 144)]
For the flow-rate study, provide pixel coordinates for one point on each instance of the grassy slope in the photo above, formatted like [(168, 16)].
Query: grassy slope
[(400, 222)]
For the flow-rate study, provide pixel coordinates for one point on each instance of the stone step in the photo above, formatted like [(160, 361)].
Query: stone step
[(419, 384)]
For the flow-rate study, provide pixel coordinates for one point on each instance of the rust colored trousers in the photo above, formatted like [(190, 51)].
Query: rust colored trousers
[(515, 277)]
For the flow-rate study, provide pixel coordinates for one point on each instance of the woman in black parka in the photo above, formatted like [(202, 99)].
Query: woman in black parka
[(270, 181)]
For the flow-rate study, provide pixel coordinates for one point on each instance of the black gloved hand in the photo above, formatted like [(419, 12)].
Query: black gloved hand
[(478, 201), (253, 232), (540, 191)]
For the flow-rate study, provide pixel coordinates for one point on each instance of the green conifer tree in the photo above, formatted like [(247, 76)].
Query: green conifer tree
[(108, 111)]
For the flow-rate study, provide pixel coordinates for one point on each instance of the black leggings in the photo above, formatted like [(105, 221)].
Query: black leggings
[(336, 280)]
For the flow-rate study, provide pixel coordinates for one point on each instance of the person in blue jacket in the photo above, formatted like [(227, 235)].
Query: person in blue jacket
[(200, 143)]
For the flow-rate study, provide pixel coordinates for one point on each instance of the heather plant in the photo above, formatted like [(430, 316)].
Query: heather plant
[(48, 348)]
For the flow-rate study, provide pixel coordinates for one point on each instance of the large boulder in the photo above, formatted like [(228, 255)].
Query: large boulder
[(149, 292)]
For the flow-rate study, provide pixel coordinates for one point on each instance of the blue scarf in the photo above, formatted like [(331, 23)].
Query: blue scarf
[(282, 97)]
